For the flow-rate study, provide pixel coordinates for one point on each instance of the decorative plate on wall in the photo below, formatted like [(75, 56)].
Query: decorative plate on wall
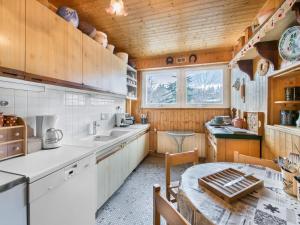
[(289, 44), (263, 66)]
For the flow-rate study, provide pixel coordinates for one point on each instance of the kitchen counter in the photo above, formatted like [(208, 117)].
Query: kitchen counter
[(41, 163), (222, 132), (9, 180)]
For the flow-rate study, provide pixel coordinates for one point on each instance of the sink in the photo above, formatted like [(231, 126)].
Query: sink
[(113, 135)]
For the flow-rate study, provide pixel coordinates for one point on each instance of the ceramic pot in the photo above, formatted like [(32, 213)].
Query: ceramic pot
[(238, 122), (288, 117)]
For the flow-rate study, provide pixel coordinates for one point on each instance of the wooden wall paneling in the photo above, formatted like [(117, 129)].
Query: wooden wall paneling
[(12, 34), (222, 55)]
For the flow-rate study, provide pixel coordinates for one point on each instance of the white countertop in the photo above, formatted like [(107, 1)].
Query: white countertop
[(41, 163)]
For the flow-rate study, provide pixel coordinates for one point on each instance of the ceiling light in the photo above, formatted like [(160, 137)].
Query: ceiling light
[(117, 8)]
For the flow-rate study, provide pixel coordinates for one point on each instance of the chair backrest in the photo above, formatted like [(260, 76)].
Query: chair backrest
[(161, 207), (179, 159), (256, 161)]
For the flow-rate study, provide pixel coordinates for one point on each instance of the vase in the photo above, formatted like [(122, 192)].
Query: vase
[(298, 120)]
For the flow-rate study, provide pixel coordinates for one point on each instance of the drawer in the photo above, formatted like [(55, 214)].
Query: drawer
[(3, 151), (14, 149), (3, 135), (14, 134)]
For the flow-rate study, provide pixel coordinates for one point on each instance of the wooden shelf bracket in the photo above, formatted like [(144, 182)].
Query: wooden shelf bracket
[(268, 50), (296, 8), (247, 67)]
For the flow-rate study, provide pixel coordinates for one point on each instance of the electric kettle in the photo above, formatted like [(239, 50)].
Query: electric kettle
[(52, 138)]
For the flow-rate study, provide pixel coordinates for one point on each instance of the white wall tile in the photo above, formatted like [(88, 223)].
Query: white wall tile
[(74, 110)]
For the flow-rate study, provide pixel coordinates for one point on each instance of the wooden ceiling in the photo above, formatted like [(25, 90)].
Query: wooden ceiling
[(157, 27)]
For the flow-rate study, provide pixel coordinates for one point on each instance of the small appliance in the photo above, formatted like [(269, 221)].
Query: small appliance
[(121, 120), (129, 119), (45, 129)]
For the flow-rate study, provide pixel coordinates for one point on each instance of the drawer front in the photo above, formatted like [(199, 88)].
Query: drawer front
[(3, 135), (14, 134), (3, 151), (14, 149)]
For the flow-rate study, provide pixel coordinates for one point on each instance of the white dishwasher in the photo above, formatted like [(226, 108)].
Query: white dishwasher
[(65, 197)]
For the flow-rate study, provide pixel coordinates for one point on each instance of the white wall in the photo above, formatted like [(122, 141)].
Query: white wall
[(256, 92), (75, 108)]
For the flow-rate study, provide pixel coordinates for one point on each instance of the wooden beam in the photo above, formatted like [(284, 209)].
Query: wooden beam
[(269, 51), (296, 8), (247, 67)]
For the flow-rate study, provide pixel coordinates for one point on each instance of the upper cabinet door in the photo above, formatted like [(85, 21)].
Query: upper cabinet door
[(58, 31), (12, 34), (107, 71), (37, 38), (91, 72), (74, 55), (46, 41)]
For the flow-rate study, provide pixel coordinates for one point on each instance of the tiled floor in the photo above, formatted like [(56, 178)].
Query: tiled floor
[(132, 203)]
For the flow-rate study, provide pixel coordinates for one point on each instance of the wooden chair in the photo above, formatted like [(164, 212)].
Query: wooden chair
[(253, 160), (173, 160), (161, 207)]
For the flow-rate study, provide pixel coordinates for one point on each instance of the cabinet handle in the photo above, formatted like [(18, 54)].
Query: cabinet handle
[(17, 134), (16, 148), (1, 136)]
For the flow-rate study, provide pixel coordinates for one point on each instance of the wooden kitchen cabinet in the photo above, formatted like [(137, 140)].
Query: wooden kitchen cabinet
[(45, 41), (12, 34), (107, 70), (53, 46), (37, 38), (74, 55), (91, 61), (221, 149), (116, 167)]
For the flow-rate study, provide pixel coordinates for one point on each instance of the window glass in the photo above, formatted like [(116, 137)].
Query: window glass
[(204, 86), (161, 88)]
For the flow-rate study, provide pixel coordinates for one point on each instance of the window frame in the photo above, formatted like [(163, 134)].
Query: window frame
[(181, 87)]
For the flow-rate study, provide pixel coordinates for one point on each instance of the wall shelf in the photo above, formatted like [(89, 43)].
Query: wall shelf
[(270, 30), (287, 102)]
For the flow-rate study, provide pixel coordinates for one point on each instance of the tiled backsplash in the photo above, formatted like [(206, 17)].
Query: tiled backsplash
[(75, 109)]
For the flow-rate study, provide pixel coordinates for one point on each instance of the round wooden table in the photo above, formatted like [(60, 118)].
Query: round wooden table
[(266, 206)]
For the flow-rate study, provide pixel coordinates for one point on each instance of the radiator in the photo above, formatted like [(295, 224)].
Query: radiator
[(165, 143)]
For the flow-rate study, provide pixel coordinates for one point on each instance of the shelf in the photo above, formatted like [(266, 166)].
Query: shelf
[(131, 69), (131, 85), (11, 142), (287, 102), (12, 127), (131, 78), (131, 98), (270, 30), (286, 71), (12, 156)]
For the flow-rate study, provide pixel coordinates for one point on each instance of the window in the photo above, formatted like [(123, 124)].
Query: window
[(161, 88), (204, 86), (187, 88)]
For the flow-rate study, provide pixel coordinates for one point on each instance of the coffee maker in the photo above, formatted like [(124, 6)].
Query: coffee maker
[(45, 129)]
